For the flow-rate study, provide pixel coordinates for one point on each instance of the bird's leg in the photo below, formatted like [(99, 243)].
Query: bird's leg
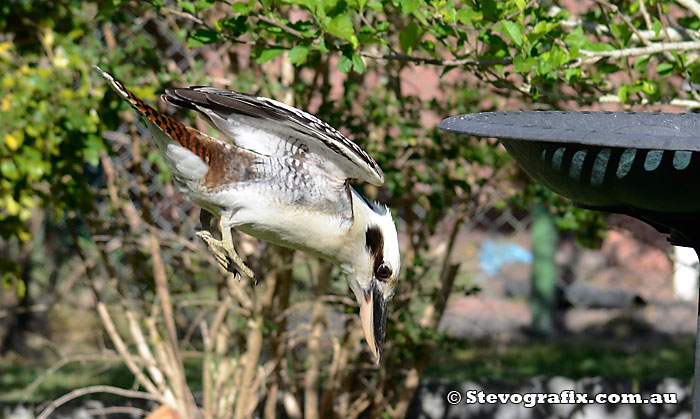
[(223, 249), (205, 218), (215, 246), (227, 241)]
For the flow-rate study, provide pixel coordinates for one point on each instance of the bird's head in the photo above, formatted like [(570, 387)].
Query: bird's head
[(375, 273)]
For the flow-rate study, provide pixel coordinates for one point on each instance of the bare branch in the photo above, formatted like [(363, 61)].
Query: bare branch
[(639, 51), (437, 61), (692, 5), (682, 103), (114, 410), (91, 390), (179, 385), (124, 352), (313, 372), (280, 25), (645, 14), (147, 356), (672, 34)]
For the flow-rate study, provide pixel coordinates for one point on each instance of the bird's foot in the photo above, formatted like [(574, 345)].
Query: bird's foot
[(226, 257)]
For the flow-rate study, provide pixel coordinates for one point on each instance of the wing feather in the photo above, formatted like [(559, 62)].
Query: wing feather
[(232, 112)]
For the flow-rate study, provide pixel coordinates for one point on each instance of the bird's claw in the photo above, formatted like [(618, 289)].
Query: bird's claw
[(228, 260)]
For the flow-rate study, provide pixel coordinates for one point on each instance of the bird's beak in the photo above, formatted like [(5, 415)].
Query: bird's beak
[(373, 318)]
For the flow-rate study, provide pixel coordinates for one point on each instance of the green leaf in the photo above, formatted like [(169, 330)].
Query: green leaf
[(571, 74), (242, 7), (447, 69), (514, 31), (308, 4), (622, 31), (21, 289), (8, 169), (489, 9), (322, 47), (623, 93), (649, 87), (341, 27), (541, 29), (409, 6), (344, 64), (93, 147), (468, 16), (577, 38), (375, 5), (268, 54), (665, 68), (298, 54), (357, 64), (383, 26), (556, 57), (409, 37), (187, 6), (600, 46), (203, 37), (523, 65), (204, 4), (542, 67)]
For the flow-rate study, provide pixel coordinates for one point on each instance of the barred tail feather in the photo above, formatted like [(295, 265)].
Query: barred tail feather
[(197, 142)]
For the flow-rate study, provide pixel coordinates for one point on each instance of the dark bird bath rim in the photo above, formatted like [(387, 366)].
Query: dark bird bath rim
[(645, 161)]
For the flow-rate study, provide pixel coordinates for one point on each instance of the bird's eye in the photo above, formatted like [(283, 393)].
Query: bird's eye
[(383, 272)]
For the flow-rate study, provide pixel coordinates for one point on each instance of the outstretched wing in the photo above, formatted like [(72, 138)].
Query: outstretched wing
[(249, 120)]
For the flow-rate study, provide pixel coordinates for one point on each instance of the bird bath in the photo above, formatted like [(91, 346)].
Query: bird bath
[(646, 165)]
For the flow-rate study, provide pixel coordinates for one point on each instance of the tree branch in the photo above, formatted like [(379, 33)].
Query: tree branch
[(124, 352), (91, 390), (639, 51), (280, 25), (437, 61), (313, 372), (682, 103), (692, 5)]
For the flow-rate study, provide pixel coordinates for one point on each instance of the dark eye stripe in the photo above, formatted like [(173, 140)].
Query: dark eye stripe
[(375, 244), (374, 241)]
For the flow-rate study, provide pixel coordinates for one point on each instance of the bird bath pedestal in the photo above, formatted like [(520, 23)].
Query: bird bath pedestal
[(646, 165)]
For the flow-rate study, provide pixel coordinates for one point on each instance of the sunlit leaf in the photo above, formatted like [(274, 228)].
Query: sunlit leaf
[(341, 26), (513, 31), (298, 54), (268, 54), (344, 64), (409, 37), (203, 37)]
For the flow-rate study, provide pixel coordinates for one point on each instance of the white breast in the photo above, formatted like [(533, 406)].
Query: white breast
[(253, 210)]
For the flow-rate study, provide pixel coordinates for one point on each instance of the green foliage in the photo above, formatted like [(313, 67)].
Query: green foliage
[(528, 43), (50, 128)]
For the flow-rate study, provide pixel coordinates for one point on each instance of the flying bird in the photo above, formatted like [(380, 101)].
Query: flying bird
[(282, 175)]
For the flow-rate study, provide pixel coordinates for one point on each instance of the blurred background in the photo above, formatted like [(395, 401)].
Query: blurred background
[(111, 306)]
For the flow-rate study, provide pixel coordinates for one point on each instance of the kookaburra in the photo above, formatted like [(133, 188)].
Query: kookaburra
[(282, 175)]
